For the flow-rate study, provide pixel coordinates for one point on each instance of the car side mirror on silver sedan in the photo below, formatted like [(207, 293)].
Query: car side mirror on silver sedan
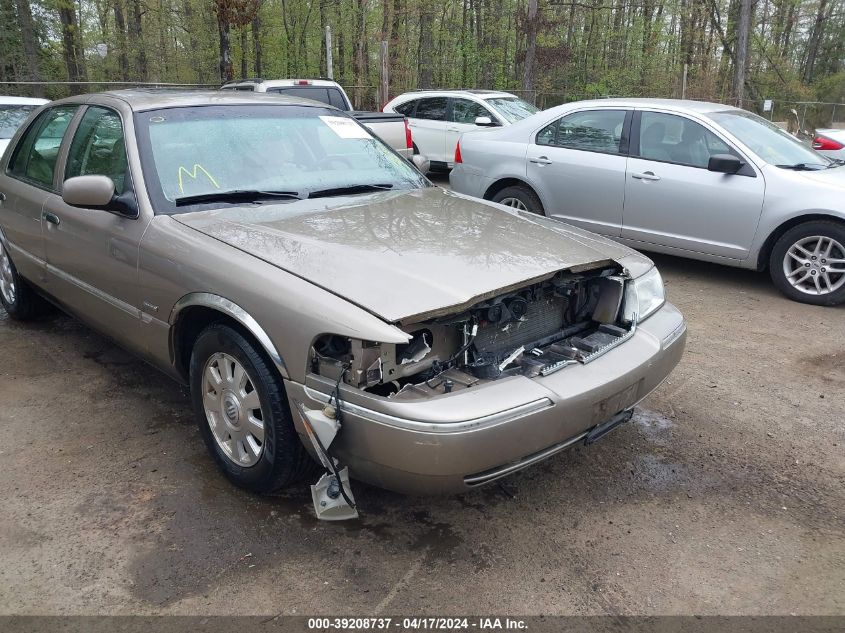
[(421, 162), (724, 163), (88, 191), (484, 121)]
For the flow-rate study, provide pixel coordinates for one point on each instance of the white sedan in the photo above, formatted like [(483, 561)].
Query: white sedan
[(13, 112)]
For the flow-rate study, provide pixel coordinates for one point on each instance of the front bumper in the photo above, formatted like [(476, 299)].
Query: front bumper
[(455, 442)]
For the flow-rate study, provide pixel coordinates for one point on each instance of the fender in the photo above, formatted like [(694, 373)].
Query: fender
[(229, 308)]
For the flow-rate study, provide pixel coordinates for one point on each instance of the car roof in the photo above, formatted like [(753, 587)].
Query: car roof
[(680, 105), (481, 94), (4, 100), (272, 83), (140, 99)]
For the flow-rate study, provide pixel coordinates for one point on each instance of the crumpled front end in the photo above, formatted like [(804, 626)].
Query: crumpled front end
[(487, 389)]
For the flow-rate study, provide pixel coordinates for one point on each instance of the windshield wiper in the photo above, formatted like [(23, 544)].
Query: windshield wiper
[(803, 166), (245, 195), (340, 191)]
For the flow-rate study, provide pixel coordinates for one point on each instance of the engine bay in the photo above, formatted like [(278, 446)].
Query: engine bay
[(570, 318)]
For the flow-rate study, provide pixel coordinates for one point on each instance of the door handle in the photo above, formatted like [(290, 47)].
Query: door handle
[(452, 129), (52, 218), (2, 196), (542, 160), (646, 175)]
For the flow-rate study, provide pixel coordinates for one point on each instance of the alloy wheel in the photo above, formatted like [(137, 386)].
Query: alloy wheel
[(815, 265), (516, 203), (233, 409), (7, 277)]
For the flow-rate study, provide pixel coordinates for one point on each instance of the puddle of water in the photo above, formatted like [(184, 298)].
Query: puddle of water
[(655, 426)]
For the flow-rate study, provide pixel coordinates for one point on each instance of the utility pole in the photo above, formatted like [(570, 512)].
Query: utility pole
[(383, 75), (741, 56), (329, 69), (684, 82)]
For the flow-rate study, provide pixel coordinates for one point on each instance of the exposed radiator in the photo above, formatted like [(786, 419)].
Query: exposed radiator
[(543, 317)]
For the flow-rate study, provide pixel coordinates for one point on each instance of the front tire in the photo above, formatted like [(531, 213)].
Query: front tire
[(521, 198), (242, 412), (18, 298), (807, 263)]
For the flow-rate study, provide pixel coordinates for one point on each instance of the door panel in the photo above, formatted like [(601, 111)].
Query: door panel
[(92, 254), (27, 185), (578, 164), (428, 127), (672, 199)]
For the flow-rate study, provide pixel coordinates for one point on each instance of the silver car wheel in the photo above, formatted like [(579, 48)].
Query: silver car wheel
[(516, 203), (7, 276), (233, 409), (815, 265)]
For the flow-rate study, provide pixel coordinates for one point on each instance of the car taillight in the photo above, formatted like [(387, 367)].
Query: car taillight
[(458, 153), (303, 82), (409, 140), (822, 142)]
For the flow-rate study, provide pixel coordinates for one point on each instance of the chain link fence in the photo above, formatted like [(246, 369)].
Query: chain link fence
[(792, 115)]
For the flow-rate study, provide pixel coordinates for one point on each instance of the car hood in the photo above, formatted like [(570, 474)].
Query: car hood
[(833, 177), (405, 254)]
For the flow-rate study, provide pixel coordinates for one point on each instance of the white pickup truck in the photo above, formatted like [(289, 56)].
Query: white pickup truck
[(390, 127)]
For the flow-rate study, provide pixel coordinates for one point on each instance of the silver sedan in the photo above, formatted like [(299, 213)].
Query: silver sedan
[(699, 180)]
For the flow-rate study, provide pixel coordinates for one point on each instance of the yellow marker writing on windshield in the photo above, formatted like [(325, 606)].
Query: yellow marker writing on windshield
[(193, 174)]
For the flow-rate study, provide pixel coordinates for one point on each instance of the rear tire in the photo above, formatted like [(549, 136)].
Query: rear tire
[(807, 263), (17, 296), (237, 394), (520, 197)]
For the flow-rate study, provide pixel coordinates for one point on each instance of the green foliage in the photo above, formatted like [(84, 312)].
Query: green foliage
[(584, 48)]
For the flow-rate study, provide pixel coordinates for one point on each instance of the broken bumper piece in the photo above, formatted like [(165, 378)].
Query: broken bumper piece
[(441, 445)]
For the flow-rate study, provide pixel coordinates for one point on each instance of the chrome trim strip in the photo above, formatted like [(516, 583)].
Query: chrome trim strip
[(104, 296), (502, 471), (240, 315), (20, 251), (674, 335), (500, 417)]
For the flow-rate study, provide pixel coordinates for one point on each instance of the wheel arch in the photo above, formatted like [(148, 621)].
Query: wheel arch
[(196, 311), (774, 236), (503, 183)]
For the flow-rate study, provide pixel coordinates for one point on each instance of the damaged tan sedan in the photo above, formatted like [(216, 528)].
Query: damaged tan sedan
[(325, 303)]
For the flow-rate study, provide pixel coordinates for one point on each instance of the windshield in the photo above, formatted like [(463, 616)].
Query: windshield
[(513, 109), (12, 117), (194, 157), (768, 141)]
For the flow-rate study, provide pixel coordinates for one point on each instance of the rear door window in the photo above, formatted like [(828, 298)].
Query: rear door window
[(433, 109), (36, 155), (589, 130), (407, 108)]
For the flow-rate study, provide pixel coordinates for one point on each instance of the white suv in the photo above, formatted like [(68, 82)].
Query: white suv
[(438, 117)]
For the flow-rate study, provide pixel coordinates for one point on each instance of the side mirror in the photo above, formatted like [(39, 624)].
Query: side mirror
[(724, 164), (421, 162), (88, 191), (484, 121)]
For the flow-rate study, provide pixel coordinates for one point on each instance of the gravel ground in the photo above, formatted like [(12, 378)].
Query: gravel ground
[(724, 495)]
